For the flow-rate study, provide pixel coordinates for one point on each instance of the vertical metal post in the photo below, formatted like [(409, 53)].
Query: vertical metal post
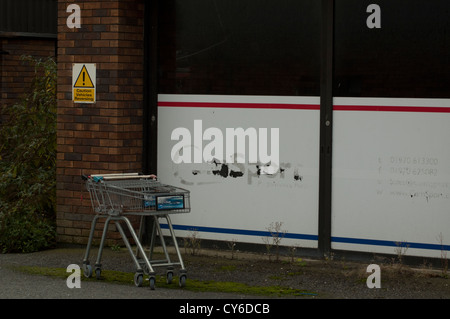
[(150, 99), (326, 126), (150, 112)]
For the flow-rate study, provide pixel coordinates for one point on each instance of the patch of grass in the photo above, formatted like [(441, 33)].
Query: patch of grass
[(227, 268), (277, 277), (295, 273), (119, 277), (240, 288)]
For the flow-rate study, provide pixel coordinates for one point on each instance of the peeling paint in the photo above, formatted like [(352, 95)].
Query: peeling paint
[(215, 172), (236, 174), (297, 176), (222, 172)]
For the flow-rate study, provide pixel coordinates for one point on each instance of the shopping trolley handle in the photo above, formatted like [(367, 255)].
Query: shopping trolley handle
[(95, 178)]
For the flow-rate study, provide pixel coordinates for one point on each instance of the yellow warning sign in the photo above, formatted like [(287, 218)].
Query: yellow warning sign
[(83, 79)]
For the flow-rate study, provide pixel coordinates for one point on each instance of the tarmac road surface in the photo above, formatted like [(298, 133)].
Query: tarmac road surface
[(28, 294), (18, 285)]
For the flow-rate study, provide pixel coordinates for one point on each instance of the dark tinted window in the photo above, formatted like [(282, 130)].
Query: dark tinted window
[(407, 57), (258, 47), (29, 16)]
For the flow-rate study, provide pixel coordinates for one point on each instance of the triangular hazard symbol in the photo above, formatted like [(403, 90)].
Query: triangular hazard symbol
[(84, 79)]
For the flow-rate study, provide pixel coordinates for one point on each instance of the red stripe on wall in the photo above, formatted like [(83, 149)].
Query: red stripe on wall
[(375, 108), (372, 108), (241, 105)]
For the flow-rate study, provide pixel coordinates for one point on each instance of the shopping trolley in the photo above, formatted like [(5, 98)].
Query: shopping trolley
[(117, 196)]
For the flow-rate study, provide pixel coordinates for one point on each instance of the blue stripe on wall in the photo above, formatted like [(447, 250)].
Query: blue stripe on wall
[(390, 243), (237, 231), (358, 241)]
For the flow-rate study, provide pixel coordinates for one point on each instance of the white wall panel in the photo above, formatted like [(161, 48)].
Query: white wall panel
[(241, 207), (391, 175)]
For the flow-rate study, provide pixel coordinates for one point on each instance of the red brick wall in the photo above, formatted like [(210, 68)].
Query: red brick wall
[(104, 137)]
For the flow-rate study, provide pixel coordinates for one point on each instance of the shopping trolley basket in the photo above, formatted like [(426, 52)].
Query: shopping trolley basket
[(116, 196)]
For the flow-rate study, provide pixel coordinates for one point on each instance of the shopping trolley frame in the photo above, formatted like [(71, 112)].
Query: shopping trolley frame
[(114, 197)]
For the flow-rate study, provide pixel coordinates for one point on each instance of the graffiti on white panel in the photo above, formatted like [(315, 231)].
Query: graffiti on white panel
[(207, 155), (216, 171)]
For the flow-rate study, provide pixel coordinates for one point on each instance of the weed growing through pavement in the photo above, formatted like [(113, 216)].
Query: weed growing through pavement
[(192, 243), (400, 250), (276, 235), (444, 260), (232, 246)]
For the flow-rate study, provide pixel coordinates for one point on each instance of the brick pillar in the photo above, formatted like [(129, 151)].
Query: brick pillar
[(104, 137)]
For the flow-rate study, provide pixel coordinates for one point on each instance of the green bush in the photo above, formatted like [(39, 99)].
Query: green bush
[(28, 165)]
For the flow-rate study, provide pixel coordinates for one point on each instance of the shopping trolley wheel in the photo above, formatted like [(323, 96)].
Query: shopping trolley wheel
[(98, 272), (138, 279), (169, 277), (182, 281), (87, 270), (152, 281)]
